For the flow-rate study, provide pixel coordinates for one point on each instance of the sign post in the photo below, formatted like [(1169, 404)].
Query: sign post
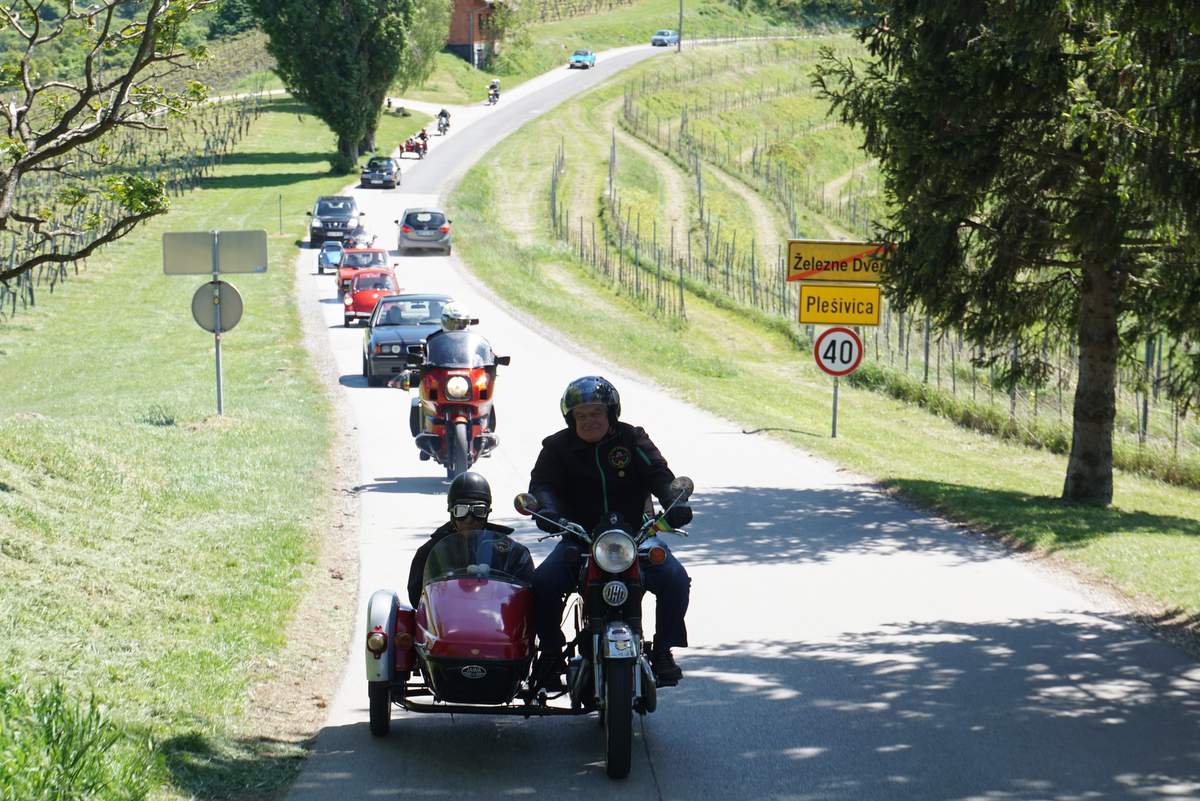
[(840, 287), (217, 305), (838, 352)]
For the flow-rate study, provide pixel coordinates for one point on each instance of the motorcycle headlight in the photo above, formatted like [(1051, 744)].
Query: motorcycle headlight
[(458, 387), (614, 551), (348, 300)]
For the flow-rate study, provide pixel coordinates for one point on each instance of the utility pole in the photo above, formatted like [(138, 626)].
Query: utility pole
[(679, 41)]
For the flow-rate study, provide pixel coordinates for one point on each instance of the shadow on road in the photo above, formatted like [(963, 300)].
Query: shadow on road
[(755, 525), (421, 485), (1066, 707)]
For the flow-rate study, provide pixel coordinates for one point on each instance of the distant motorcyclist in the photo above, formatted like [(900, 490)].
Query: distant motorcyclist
[(597, 465), (469, 502), (494, 90), (443, 121)]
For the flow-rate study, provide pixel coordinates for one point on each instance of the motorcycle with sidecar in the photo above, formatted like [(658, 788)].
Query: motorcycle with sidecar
[(468, 646)]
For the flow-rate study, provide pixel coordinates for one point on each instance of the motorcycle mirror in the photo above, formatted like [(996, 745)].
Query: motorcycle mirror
[(503, 360), (681, 488), (526, 504)]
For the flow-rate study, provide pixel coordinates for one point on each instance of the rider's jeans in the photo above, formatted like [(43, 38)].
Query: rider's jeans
[(555, 577)]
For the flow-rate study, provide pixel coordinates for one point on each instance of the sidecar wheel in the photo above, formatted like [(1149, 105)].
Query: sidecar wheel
[(380, 696), (618, 719)]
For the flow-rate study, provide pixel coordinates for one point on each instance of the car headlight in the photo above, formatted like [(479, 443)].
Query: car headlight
[(396, 349), (316, 223), (614, 551), (458, 387)]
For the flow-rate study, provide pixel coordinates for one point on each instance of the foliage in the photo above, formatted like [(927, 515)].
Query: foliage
[(54, 747), (427, 36), (837, 12), (1042, 160), (339, 59), (61, 127), (231, 18)]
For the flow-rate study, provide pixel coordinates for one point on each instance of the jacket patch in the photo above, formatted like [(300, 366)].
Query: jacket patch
[(619, 457)]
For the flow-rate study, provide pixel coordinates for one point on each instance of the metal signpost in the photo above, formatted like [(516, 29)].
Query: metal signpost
[(217, 305), (838, 352), (840, 287)]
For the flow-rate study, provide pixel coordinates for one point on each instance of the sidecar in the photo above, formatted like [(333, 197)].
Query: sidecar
[(467, 647)]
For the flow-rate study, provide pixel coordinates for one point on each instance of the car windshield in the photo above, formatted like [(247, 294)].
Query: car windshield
[(366, 283), (425, 219), (662, 33), (335, 208), (379, 164), (329, 257), (411, 312), (479, 554), (365, 258), (582, 53), (459, 349)]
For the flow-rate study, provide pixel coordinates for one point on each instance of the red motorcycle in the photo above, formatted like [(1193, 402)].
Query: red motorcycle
[(453, 420), (468, 646)]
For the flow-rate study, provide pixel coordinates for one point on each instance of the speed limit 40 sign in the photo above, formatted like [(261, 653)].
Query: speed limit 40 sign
[(838, 351)]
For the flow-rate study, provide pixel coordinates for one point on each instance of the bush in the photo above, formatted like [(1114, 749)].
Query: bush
[(53, 748)]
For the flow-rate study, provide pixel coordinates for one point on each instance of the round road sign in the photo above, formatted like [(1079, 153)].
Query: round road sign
[(213, 296), (838, 351)]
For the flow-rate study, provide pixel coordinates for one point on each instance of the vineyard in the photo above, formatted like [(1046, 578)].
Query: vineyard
[(181, 155), (731, 154)]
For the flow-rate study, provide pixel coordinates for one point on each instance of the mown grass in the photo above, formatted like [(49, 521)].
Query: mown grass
[(151, 552), (1146, 544)]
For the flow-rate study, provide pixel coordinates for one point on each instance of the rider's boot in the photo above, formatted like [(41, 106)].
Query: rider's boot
[(666, 672), (548, 671)]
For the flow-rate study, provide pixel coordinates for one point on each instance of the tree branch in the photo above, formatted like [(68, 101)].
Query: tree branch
[(116, 230)]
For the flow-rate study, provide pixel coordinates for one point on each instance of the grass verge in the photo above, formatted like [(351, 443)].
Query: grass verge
[(168, 546), (1146, 544)]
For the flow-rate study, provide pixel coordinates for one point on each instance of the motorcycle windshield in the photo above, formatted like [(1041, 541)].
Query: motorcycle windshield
[(476, 555), (459, 349)]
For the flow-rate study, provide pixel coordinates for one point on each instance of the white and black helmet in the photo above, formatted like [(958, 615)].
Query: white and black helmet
[(455, 318)]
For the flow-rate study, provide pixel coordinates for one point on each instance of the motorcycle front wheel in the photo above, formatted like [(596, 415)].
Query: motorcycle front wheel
[(618, 718), (460, 452)]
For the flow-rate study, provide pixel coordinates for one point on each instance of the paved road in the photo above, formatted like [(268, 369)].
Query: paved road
[(845, 647)]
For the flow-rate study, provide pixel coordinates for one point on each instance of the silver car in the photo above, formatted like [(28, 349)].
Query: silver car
[(423, 229)]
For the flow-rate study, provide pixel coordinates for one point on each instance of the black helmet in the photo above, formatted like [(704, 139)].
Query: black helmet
[(468, 487), (590, 389)]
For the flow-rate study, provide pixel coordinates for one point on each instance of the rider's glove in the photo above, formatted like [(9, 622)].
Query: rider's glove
[(679, 516), (552, 522), (573, 529)]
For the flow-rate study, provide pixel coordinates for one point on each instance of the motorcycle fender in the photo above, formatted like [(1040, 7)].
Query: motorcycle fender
[(382, 610)]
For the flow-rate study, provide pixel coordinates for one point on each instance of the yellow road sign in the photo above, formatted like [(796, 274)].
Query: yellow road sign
[(839, 304), (823, 260)]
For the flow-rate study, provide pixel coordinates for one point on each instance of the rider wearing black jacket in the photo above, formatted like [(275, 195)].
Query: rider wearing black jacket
[(594, 467), (469, 502)]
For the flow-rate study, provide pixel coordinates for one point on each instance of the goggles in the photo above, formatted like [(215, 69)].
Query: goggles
[(461, 510)]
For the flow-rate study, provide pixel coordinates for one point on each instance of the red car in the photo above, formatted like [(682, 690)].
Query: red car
[(360, 259), (366, 288)]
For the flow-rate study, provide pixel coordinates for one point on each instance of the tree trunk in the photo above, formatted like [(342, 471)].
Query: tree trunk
[(348, 153), (367, 145), (1090, 467)]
